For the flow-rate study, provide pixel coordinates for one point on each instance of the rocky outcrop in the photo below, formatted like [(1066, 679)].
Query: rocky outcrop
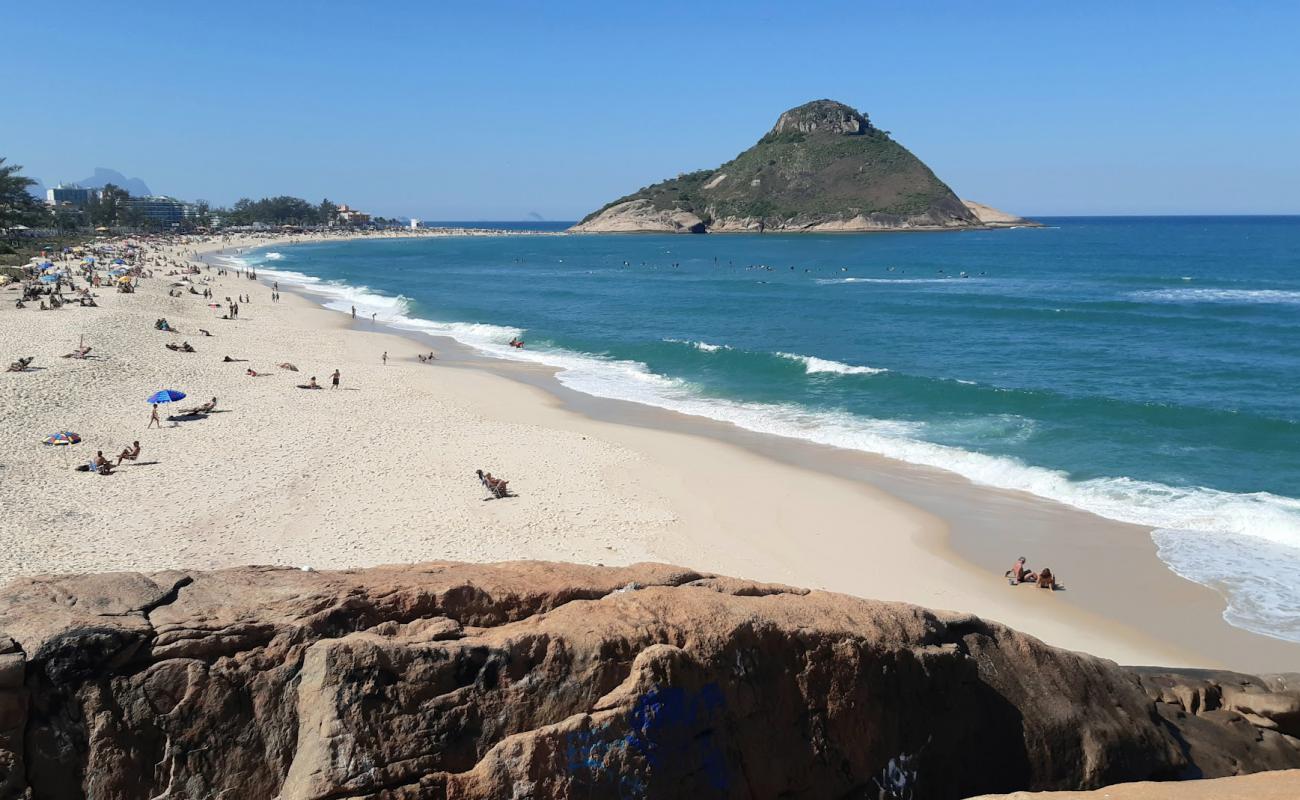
[(542, 680), (822, 167), (993, 218), (640, 216)]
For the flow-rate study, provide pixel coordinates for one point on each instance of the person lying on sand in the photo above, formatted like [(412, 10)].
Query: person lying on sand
[(1020, 573), (80, 352), (21, 364), (206, 408), (287, 365), (205, 333), (1046, 580), (312, 384), (252, 373), (129, 454)]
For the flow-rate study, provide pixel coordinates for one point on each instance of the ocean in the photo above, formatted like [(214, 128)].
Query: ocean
[(1144, 369)]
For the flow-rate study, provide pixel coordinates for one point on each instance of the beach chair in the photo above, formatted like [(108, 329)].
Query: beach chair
[(497, 489)]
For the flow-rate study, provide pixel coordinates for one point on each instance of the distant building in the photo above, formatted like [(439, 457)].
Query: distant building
[(350, 216), (70, 195), (415, 224), (159, 208)]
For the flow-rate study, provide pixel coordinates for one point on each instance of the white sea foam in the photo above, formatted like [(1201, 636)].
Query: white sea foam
[(831, 281), (1202, 533), (1275, 296), (814, 365), (272, 256), (1256, 579), (704, 347)]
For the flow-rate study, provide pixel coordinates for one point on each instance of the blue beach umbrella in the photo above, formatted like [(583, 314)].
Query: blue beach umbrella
[(165, 396)]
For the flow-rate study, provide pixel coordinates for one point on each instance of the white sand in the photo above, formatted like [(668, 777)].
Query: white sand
[(383, 470)]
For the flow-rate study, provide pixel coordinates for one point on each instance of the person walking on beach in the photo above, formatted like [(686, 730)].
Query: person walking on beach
[(153, 417), (354, 312), (334, 380), (385, 358)]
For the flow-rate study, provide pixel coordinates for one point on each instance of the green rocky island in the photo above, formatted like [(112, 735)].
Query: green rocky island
[(822, 168)]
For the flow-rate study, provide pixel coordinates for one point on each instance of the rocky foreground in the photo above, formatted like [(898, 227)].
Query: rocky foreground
[(542, 680)]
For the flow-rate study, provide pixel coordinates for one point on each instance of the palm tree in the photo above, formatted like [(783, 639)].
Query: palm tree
[(16, 203)]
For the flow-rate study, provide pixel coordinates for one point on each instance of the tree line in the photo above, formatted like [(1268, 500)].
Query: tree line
[(109, 208)]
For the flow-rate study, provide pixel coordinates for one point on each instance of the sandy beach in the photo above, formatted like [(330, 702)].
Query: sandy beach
[(382, 470)]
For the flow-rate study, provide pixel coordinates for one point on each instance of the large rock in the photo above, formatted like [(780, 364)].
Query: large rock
[(993, 218), (822, 167), (546, 680), (640, 216)]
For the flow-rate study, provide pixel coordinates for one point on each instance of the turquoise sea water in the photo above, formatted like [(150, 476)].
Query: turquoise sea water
[(1145, 369)]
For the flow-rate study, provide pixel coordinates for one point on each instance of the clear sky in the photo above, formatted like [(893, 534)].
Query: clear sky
[(493, 110)]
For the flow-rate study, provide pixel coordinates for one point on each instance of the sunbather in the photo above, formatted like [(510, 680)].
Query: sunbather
[(80, 352), (312, 384), (130, 454), (496, 486), (1020, 573), (287, 365), (1046, 580), (21, 364), (206, 408), (102, 465)]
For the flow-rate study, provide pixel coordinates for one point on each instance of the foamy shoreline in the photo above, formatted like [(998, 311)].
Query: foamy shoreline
[(357, 478)]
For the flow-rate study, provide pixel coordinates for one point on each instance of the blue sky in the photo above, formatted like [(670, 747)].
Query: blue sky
[(493, 110)]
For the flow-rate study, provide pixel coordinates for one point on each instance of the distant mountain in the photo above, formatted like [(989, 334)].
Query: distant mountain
[(102, 176), (822, 167)]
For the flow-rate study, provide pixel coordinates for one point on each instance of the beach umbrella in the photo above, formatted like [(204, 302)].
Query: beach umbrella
[(165, 396), (62, 437), (124, 279)]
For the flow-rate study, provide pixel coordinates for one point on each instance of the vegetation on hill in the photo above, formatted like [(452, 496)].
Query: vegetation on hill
[(823, 161)]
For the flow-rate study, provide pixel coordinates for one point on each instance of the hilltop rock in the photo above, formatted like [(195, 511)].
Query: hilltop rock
[(104, 176), (541, 680), (822, 167)]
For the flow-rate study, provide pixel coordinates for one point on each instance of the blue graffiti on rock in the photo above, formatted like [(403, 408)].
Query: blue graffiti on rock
[(669, 729)]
